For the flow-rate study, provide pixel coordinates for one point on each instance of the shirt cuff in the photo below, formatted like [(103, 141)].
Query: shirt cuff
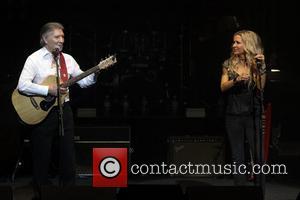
[(43, 90)]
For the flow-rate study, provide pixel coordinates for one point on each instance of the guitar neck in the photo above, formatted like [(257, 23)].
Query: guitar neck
[(81, 76)]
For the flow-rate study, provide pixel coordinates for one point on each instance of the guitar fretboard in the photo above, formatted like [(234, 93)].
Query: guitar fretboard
[(81, 76)]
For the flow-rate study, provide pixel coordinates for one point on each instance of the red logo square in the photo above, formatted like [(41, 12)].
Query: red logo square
[(110, 167)]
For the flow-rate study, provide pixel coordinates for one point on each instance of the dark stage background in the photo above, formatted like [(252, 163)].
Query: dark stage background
[(169, 59)]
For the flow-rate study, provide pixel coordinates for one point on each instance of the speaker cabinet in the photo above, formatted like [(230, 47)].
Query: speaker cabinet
[(88, 137), (196, 150), (6, 192)]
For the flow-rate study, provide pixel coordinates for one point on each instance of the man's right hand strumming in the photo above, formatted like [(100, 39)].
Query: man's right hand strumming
[(52, 90)]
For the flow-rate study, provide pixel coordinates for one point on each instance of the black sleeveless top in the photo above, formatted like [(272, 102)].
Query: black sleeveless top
[(241, 99)]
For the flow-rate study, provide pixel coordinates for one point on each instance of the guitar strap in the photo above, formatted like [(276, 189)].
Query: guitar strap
[(63, 68)]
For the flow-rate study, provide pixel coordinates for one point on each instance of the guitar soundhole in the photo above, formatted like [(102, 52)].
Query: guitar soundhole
[(47, 103)]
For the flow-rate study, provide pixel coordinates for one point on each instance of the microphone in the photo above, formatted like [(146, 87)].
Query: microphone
[(56, 52), (258, 62)]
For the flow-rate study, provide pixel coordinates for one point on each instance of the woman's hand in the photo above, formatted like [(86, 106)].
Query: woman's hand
[(260, 63), (260, 58), (242, 77)]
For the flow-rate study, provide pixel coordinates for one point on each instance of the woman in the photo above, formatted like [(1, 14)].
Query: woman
[(243, 77)]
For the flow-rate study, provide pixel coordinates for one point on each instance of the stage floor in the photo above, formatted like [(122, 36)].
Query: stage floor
[(276, 188)]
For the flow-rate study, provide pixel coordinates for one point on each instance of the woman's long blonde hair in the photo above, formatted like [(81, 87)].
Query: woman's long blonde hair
[(252, 47)]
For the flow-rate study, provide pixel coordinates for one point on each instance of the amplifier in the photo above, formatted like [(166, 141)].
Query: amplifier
[(196, 150), (6, 192), (88, 137)]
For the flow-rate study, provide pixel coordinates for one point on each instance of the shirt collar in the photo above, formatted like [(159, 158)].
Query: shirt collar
[(45, 52)]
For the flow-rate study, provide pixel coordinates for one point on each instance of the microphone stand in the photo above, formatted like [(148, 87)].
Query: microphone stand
[(261, 133), (60, 110)]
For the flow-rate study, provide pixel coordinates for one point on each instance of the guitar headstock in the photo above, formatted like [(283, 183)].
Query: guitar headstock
[(107, 62)]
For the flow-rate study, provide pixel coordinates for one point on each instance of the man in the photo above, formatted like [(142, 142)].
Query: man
[(38, 66)]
